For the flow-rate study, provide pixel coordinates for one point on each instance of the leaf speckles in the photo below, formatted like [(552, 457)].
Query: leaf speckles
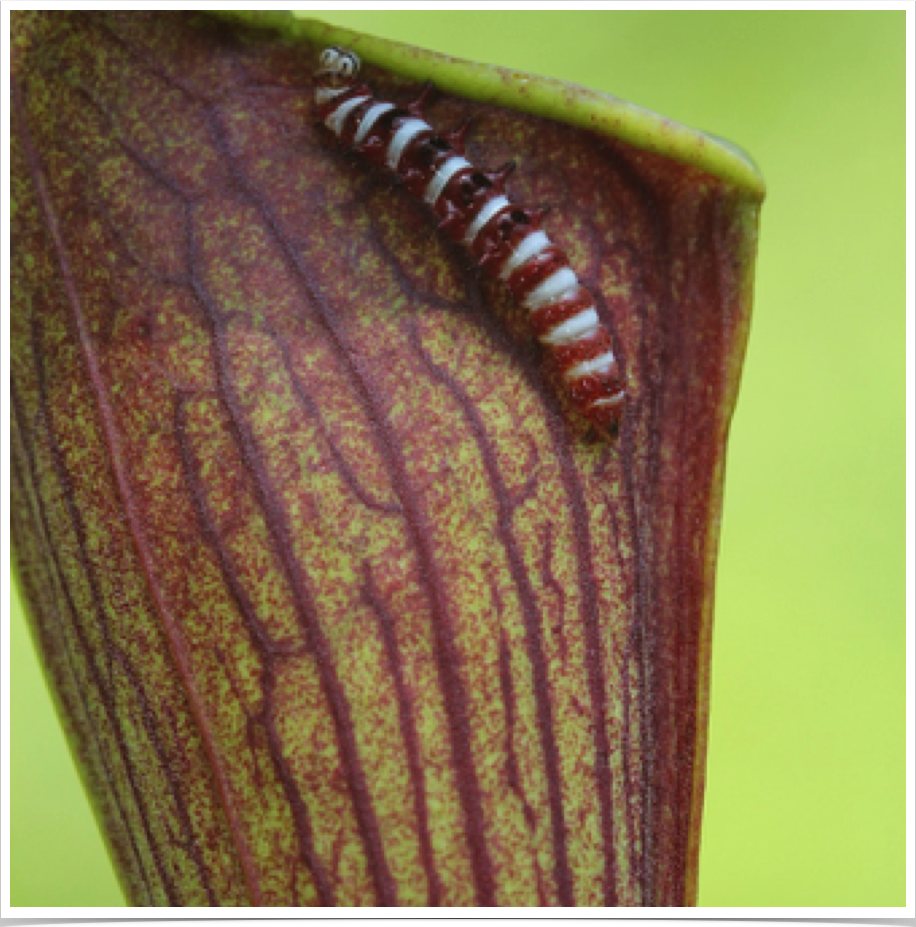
[(339, 607)]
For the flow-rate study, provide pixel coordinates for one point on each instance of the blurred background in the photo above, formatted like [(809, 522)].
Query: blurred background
[(806, 779)]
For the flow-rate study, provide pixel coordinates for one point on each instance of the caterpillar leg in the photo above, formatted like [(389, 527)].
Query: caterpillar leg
[(456, 138), (500, 175), (416, 108), (504, 238)]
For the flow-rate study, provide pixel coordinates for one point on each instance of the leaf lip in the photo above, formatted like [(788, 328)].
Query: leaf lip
[(561, 101)]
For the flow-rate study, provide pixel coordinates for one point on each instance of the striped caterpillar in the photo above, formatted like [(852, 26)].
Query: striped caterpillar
[(505, 239)]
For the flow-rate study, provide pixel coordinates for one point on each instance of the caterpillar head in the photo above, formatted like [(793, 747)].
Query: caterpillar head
[(337, 70)]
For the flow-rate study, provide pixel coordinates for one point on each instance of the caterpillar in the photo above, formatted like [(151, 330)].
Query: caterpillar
[(505, 239)]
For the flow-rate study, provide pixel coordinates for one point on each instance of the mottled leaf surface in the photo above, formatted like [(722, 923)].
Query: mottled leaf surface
[(341, 605)]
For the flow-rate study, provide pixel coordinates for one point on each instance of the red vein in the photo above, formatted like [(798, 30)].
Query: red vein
[(281, 535), (513, 774), (269, 653), (508, 694), (639, 472), (76, 689), (408, 732), (683, 644), (551, 582), (448, 656), (626, 706), (343, 467), (588, 599), (122, 481), (505, 507), (284, 545), (112, 651)]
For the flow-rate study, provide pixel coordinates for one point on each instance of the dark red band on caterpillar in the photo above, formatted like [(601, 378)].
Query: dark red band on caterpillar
[(504, 238)]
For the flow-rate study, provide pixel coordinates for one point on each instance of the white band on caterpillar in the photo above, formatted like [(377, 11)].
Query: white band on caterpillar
[(335, 120), (443, 176), (600, 364), (579, 326), (483, 217), (325, 94), (618, 397), (553, 288), (405, 134), (530, 246), (370, 117)]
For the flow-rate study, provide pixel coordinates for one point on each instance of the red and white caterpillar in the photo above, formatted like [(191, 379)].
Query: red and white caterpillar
[(505, 239)]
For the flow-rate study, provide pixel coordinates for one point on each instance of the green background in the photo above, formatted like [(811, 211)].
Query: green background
[(805, 800)]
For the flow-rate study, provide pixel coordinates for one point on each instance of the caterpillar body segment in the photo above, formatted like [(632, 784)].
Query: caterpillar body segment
[(505, 239)]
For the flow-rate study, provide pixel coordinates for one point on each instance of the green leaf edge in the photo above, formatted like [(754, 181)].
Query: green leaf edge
[(541, 96)]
